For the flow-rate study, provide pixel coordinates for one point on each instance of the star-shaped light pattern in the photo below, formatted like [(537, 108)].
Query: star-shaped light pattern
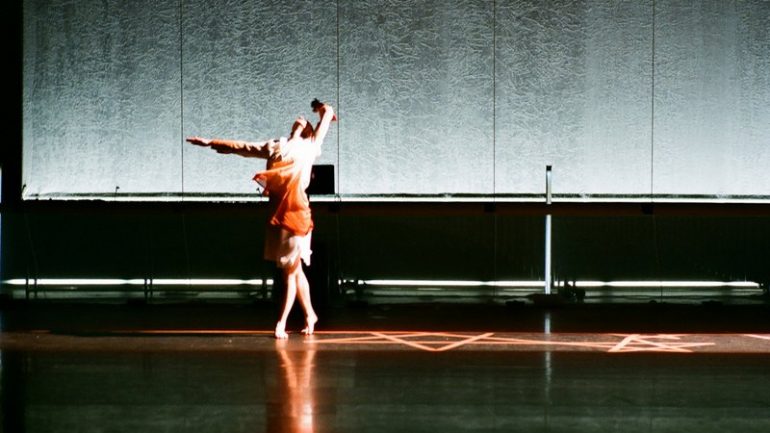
[(655, 343), (444, 341), (429, 341)]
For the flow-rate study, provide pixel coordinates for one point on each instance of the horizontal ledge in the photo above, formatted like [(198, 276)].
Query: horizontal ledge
[(135, 282), (380, 283), (425, 205), (409, 198), (540, 283)]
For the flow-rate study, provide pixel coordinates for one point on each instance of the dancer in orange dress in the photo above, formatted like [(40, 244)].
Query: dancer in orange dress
[(289, 164)]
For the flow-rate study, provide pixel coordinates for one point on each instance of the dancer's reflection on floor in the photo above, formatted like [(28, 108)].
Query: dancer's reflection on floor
[(296, 390)]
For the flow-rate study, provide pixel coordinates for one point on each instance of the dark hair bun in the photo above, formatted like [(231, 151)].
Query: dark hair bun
[(316, 104)]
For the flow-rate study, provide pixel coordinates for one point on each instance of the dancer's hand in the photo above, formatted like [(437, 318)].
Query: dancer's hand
[(199, 141), (321, 108)]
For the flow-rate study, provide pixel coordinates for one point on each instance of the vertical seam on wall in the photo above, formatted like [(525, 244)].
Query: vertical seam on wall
[(337, 177), (494, 100), (652, 108), (181, 94)]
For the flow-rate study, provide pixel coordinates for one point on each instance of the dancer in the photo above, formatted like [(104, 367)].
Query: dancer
[(287, 239)]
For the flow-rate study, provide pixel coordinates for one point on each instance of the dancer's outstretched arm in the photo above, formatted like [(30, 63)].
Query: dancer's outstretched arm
[(264, 149)]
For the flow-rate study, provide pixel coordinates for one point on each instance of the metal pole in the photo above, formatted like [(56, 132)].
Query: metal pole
[(548, 231)]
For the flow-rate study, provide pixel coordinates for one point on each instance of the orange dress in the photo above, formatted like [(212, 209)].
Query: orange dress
[(287, 176)]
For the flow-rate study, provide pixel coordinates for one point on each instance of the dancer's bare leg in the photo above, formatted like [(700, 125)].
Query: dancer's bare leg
[(303, 291), (290, 279)]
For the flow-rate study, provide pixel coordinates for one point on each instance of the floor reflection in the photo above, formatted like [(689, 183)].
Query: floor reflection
[(304, 386), (297, 391)]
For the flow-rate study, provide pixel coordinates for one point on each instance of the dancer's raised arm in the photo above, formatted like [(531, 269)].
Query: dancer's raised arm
[(264, 149), (327, 116)]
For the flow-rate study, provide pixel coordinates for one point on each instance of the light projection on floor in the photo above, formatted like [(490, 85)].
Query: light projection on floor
[(442, 341), (251, 340)]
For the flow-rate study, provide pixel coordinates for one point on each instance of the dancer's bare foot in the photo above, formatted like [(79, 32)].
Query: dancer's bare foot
[(280, 331), (310, 325)]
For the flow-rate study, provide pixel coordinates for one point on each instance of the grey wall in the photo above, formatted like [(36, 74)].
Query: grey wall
[(623, 98)]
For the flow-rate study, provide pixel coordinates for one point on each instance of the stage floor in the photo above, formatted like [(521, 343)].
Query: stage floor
[(75, 368)]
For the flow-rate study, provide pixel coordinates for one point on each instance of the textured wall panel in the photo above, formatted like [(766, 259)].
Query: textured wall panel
[(461, 96), (101, 97), (573, 89), (416, 96), (250, 68), (712, 97)]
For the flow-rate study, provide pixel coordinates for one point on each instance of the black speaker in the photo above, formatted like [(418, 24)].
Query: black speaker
[(321, 180)]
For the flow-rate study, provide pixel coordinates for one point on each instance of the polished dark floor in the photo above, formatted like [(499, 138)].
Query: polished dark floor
[(413, 368)]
